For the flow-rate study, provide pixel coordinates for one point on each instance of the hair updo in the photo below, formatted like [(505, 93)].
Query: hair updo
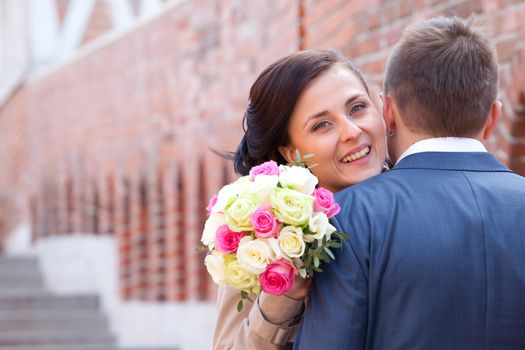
[(273, 97)]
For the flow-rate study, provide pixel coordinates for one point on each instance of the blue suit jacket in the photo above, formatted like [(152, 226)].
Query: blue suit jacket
[(435, 260)]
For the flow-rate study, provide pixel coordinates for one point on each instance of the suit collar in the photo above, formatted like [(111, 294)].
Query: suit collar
[(444, 144), (462, 161)]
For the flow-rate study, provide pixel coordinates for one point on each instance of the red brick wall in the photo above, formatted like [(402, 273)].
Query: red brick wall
[(118, 141)]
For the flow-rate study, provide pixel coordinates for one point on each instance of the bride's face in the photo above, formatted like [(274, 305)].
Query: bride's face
[(336, 121)]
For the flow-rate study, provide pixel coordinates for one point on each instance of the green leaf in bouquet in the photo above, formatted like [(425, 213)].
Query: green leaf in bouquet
[(302, 273), (323, 256), (342, 236), (302, 162), (306, 231), (240, 306), (310, 270), (308, 260), (335, 244), (318, 269), (327, 250), (316, 261), (201, 249)]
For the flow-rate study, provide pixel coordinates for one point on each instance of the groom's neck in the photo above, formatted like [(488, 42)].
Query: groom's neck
[(402, 140)]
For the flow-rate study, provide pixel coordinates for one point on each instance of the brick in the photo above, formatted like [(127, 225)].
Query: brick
[(506, 47), (373, 21), (516, 89), (317, 12), (515, 125), (466, 8), (100, 22)]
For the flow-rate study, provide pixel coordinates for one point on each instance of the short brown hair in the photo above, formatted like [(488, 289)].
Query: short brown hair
[(443, 76)]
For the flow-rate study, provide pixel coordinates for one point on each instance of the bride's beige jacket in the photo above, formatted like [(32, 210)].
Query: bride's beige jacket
[(270, 322)]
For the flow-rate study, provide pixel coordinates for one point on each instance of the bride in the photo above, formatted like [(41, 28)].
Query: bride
[(317, 102)]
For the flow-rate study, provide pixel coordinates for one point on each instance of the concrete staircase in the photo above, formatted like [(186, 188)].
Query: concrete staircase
[(32, 318)]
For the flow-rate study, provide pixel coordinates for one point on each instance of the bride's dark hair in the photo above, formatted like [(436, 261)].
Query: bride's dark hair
[(273, 97)]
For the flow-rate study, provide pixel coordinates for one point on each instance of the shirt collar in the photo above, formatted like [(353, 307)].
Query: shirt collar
[(444, 144)]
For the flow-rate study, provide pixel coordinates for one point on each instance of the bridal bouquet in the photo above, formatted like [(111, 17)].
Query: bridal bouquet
[(267, 227)]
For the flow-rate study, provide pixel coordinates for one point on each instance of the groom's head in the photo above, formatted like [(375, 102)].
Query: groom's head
[(442, 77)]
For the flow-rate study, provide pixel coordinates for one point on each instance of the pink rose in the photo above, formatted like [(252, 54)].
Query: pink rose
[(264, 222), (267, 168), (211, 204), (226, 240), (278, 277), (324, 201)]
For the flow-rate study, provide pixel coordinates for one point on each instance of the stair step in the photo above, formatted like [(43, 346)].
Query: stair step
[(18, 263), (77, 347), (15, 291), (16, 315), (20, 282), (62, 347), (19, 271), (46, 301), (82, 336), (52, 320)]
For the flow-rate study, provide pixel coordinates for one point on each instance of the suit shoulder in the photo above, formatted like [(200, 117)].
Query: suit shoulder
[(369, 187)]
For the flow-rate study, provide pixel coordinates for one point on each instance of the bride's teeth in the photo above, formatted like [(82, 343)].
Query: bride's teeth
[(356, 155)]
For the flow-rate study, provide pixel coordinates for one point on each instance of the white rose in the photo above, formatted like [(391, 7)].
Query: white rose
[(239, 211), (320, 226), (297, 178), (210, 229), (255, 254), (279, 254), (291, 241), (243, 180), (215, 266), (230, 191), (237, 277), (331, 229), (262, 187)]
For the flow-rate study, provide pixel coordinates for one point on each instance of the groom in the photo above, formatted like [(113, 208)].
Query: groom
[(436, 256)]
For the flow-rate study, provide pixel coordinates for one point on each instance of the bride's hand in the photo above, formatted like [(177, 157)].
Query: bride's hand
[(301, 288)]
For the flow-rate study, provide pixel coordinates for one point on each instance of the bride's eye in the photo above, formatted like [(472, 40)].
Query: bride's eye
[(321, 125), (357, 108)]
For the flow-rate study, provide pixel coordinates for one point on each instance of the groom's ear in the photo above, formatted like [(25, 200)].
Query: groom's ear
[(388, 113), (492, 119), (287, 152)]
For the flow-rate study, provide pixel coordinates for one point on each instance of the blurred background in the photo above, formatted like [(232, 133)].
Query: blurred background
[(108, 112)]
